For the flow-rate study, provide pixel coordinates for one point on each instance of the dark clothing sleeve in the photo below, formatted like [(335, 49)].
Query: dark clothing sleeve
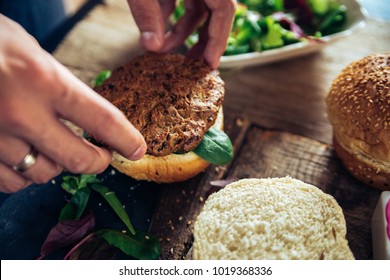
[(39, 17)]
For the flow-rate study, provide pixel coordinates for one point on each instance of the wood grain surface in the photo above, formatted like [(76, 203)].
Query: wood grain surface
[(275, 114), (264, 153)]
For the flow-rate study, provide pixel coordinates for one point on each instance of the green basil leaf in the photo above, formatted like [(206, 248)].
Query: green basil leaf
[(68, 212), (101, 77), (86, 179), (115, 204), (70, 184), (75, 208), (215, 147), (142, 246)]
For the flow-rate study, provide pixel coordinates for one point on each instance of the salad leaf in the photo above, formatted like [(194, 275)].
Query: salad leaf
[(274, 37), (215, 147), (223, 183), (73, 226), (319, 7), (116, 205), (333, 20), (86, 179), (287, 22), (67, 233), (253, 30), (72, 183), (92, 247), (101, 77), (266, 7), (75, 208), (142, 246)]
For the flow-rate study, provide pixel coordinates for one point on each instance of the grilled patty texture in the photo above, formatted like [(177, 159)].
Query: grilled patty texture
[(171, 99)]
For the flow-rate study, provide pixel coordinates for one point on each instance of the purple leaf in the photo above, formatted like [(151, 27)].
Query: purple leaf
[(66, 233), (92, 247), (222, 183), (217, 185), (287, 22), (302, 8)]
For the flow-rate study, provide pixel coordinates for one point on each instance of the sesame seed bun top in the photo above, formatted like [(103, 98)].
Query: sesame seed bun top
[(358, 106)]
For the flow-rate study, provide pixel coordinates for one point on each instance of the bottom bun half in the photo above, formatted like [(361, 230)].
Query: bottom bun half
[(167, 169), (363, 167), (270, 219)]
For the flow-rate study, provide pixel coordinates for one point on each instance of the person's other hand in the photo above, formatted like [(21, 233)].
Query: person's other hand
[(215, 16), (36, 94)]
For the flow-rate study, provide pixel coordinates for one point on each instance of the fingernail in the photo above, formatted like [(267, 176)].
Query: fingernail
[(151, 41), (139, 153)]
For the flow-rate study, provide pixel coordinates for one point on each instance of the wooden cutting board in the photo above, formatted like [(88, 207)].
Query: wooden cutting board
[(261, 153), (281, 100)]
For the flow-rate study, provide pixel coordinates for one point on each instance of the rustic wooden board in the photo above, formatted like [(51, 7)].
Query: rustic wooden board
[(284, 102), (180, 203), (262, 153)]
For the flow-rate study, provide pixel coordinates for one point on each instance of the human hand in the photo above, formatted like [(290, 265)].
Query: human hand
[(36, 93), (216, 17)]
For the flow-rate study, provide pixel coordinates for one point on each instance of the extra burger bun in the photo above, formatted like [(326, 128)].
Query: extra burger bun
[(276, 218), (173, 101), (358, 106)]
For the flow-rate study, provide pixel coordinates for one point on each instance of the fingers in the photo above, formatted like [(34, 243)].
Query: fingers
[(70, 151), (194, 14), (36, 94), (150, 21), (151, 17), (198, 50), (10, 181), (213, 34), (34, 118), (218, 29), (98, 117), (12, 152), (167, 8)]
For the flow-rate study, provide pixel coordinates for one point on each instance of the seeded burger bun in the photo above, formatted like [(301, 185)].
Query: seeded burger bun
[(358, 106), (276, 218), (173, 101)]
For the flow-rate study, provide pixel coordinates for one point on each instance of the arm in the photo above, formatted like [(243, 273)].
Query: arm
[(36, 93)]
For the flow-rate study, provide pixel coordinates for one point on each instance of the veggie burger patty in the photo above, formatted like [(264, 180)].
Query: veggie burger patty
[(171, 99)]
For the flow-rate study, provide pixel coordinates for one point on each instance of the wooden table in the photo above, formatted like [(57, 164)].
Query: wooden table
[(275, 115)]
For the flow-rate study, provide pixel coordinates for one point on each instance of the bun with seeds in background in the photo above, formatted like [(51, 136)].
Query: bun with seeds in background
[(176, 104), (358, 105), (271, 219)]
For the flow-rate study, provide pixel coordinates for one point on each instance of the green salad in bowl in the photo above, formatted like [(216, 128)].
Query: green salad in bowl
[(264, 25)]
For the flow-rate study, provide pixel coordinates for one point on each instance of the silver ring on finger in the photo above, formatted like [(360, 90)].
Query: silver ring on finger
[(29, 160)]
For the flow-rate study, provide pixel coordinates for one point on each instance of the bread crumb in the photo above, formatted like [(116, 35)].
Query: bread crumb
[(239, 122)]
